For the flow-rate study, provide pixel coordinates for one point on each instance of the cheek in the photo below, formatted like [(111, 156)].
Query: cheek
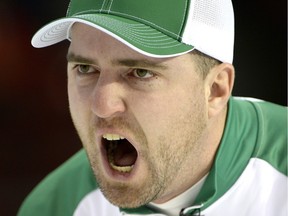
[(81, 116), (163, 114), (78, 105), (78, 95), (73, 97)]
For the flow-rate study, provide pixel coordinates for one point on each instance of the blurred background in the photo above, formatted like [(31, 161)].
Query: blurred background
[(37, 134)]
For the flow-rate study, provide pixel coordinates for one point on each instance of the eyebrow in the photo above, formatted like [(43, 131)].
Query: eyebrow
[(140, 63), (71, 57)]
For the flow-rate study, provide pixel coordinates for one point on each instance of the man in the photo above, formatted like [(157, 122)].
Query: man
[(150, 96)]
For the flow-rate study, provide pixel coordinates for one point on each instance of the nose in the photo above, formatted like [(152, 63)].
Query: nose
[(107, 99)]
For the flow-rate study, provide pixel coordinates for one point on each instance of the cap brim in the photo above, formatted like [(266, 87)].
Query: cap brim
[(138, 36)]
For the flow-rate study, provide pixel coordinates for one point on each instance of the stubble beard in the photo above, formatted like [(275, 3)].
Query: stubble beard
[(162, 168), (126, 195)]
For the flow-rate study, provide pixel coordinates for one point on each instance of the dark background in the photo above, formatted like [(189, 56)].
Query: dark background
[(36, 130)]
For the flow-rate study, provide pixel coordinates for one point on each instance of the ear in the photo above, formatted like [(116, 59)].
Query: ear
[(220, 81)]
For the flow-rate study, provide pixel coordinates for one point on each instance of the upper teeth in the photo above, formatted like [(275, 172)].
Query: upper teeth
[(112, 137)]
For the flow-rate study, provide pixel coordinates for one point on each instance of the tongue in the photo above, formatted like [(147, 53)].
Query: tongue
[(124, 154)]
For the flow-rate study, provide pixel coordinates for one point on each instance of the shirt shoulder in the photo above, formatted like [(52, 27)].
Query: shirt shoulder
[(62, 190), (250, 168), (269, 120)]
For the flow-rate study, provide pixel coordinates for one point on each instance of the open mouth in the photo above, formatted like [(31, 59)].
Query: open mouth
[(121, 154)]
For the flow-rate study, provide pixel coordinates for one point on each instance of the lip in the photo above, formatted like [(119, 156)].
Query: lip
[(111, 173)]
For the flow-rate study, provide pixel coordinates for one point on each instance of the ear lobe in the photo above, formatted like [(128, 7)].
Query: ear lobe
[(221, 80)]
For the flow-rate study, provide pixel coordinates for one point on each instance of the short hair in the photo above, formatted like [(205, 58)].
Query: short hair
[(204, 62)]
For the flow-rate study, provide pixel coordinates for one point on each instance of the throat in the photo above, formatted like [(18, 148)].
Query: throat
[(121, 155)]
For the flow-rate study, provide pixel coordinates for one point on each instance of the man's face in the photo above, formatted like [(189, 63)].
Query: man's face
[(142, 120)]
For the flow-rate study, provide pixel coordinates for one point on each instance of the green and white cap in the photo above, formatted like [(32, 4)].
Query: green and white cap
[(156, 28)]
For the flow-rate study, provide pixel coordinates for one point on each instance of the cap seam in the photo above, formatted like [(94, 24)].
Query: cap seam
[(68, 9), (111, 3), (183, 19), (102, 6)]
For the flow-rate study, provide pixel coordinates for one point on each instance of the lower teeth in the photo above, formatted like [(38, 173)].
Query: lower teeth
[(124, 169)]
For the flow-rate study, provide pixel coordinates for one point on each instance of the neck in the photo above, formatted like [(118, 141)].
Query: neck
[(174, 206)]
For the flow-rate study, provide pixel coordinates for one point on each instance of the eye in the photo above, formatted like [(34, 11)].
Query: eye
[(85, 69), (142, 73)]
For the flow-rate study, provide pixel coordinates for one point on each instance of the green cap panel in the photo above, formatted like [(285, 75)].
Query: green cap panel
[(170, 22), (83, 6)]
